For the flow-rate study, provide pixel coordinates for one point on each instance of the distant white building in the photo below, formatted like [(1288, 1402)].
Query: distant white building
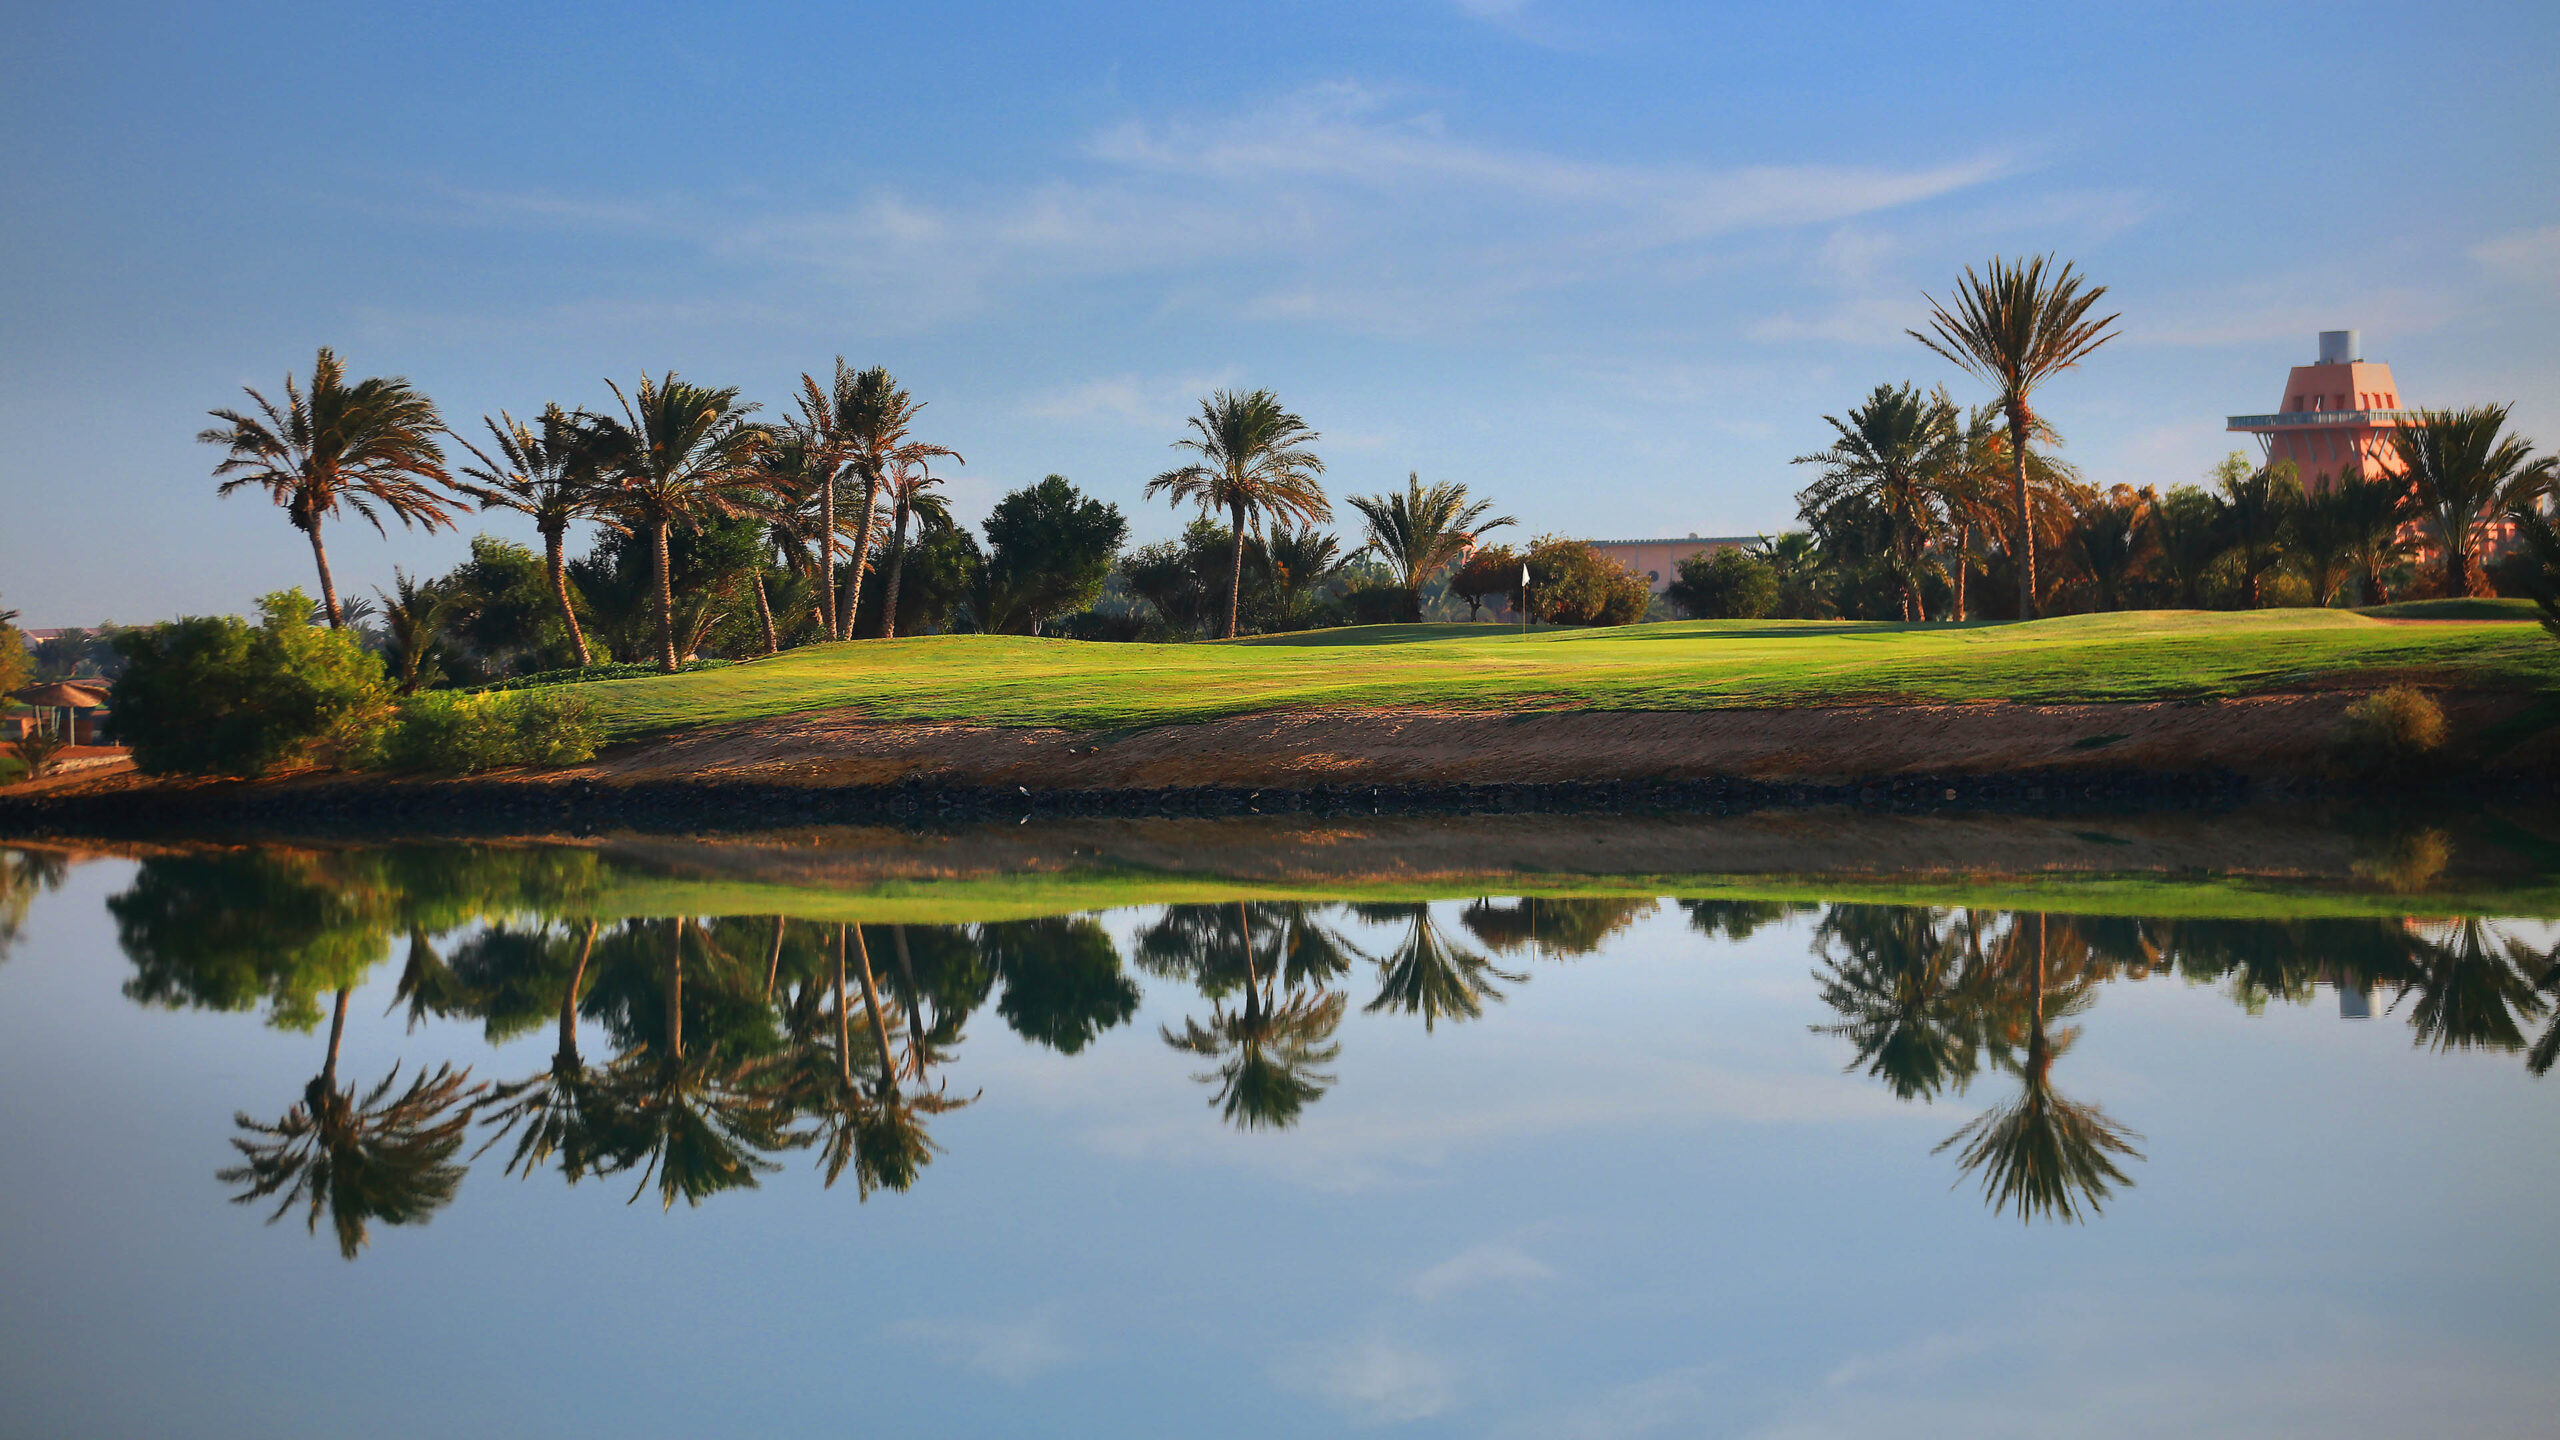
[(1658, 561)]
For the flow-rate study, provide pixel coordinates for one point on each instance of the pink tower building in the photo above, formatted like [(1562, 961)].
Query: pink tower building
[(2332, 418)]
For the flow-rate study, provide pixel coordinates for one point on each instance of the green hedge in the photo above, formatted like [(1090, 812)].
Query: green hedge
[(447, 730)]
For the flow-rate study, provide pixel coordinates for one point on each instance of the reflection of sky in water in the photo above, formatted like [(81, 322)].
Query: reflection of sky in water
[(1638, 1198)]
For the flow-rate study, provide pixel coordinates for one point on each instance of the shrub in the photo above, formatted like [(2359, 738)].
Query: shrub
[(215, 695), (34, 750), (1731, 584), (449, 731), (1491, 573), (2389, 733), (1572, 584)]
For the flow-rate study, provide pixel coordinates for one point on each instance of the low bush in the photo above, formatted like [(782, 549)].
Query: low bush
[(1731, 584), (216, 695), (456, 733), (2390, 734), (545, 679)]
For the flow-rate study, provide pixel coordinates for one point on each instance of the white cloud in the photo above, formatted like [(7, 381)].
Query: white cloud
[(1012, 1351), (1479, 1266), (2528, 257), (1374, 1380)]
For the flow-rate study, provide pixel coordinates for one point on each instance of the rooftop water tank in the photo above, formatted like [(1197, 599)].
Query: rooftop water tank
[(2341, 347)]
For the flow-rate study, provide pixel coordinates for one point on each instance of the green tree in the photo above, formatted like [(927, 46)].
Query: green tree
[(2187, 539), (679, 456), (911, 493), (1898, 977), (1302, 561), (873, 421), (413, 618), (1729, 584), (1422, 532), (2542, 545), (1891, 455), (369, 447), (2333, 535), (215, 695), (1052, 547), (2016, 329), (1492, 570), (15, 663), (1254, 464), (2466, 476), (546, 472), (1063, 983), (563, 1114), (2259, 506), (2110, 538), (1572, 584)]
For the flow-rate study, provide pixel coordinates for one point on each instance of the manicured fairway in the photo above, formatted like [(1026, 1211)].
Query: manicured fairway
[(1692, 665)]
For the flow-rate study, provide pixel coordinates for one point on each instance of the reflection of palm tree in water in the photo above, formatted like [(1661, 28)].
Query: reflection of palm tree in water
[(566, 1110), (1909, 994), (1269, 1050), (882, 1132), (1426, 975), (23, 875), (2043, 1153), (2474, 996), (692, 1122), (383, 1157)]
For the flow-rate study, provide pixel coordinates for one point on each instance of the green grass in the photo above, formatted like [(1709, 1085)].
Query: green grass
[(2476, 609), (1690, 665)]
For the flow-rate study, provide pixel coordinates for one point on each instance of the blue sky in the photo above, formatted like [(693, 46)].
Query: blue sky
[(1607, 263)]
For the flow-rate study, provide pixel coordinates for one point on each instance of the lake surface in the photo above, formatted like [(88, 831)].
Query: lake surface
[(1207, 1129)]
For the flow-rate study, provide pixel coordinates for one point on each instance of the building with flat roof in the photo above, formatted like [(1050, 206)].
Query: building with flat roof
[(2335, 416), (1658, 561)]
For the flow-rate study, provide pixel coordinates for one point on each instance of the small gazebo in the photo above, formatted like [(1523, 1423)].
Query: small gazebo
[(69, 697)]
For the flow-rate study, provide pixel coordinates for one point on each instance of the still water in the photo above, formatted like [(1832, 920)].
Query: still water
[(850, 1134)]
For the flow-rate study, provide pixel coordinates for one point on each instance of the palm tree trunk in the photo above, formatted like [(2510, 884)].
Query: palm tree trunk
[(328, 587), (1235, 572), (896, 577), (2026, 555), (827, 558), (666, 602), (1252, 980), (1964, 548), (551, 553), (773, 963), (915, 1001), (871, 999), (849, 608), (569, 997), (764, 612)]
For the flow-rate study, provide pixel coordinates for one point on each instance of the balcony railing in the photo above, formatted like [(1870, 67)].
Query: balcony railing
[(2305, 419)]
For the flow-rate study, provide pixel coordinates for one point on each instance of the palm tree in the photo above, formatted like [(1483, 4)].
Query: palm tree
[(1268, 1051), (1900, 981), (2111, 542), (383, 1157), (2470, 995), (1254, 463), (1891, 455), (2542, 546), (2376, 514), (545, 471), (2015, 329), (2330, 531), (695, 1123), (2257, 516), (2465, 477), (911, 486), (871, 420), (681, 454), (369, 447), (1421, 532), (413, 616)]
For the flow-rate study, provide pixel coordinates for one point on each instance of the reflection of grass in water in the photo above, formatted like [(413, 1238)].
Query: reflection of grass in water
[(1023, 896)]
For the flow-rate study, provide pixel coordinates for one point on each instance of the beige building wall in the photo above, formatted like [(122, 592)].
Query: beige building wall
[(1658, 561)]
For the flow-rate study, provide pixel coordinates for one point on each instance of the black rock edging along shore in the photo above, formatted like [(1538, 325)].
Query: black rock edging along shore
[(463, 808)]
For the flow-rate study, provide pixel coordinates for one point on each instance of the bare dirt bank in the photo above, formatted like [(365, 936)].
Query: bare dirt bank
[(2271, 736)]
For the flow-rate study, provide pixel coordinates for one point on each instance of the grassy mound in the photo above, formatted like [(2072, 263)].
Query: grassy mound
[(1688, 665), (2469, 609)]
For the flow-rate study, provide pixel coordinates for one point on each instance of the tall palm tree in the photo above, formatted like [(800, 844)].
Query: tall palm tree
[(1892, 455), (2016, 329), (1254, 464), (873, 416), (681, 454), (826, 425), (911, 486), (1423, 531), (369, 447), (2376, 514), (2466, 475), (545, 471), (380, 1157), (2330, 535)]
